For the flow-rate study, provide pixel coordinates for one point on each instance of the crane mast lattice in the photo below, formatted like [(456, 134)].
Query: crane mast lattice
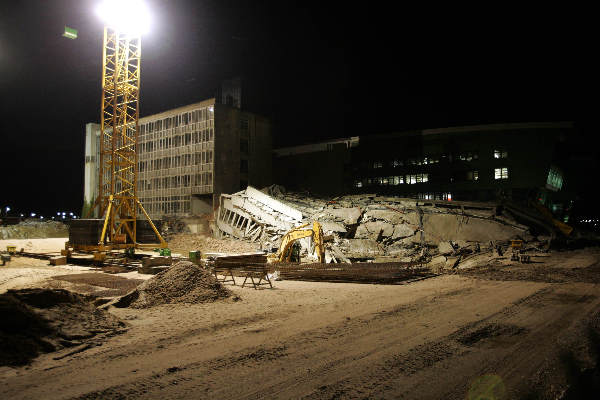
[(117, 196)]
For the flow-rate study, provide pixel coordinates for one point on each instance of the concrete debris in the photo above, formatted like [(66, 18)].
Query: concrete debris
[(368, 227), (34, 229), (348, 216), (445, 248)]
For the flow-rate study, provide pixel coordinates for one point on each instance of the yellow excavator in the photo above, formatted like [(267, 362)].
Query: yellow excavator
[(287, 241)]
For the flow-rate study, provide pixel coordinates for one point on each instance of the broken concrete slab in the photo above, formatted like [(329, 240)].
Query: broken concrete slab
[(362, 248), (402, 231), (443, 227), (373, 230), (329, 226), (273, 203), (349, 216), (452, 262), (445, 248)]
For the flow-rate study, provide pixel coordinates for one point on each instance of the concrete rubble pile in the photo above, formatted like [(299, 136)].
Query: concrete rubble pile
[(31, 229), (369, 227)]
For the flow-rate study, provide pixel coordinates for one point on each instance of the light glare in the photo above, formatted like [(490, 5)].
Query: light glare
[(128, 16)]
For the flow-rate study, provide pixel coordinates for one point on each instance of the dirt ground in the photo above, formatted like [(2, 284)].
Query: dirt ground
[(511, 330)]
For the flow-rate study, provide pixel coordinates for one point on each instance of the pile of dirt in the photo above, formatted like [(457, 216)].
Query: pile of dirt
[(34, 229), (188, 242), (184, 282), (38, 321)]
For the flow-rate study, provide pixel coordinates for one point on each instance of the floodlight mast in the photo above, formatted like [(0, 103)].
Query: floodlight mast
[(117, 195)]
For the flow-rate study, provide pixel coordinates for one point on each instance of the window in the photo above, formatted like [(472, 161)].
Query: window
[(358, 184), (244, 124), (417, 178), (555, 179), (397, 163), (243, 146), (472, 175), (500, 154), (501, 173), (468, 156), (377, 164), (243, 165), (397, 180)]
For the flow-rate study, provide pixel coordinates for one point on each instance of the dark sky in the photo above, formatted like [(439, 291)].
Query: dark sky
[(318, 69)]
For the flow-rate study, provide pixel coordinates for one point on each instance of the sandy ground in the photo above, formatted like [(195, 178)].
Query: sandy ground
[(431, 339)]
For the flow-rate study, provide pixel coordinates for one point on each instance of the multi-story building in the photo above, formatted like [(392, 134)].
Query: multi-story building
[(481, 162), (188, 156)]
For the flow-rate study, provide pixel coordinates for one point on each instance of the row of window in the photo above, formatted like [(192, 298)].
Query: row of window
[(393, 180), (185, 118), (161, 205), (179, 140), (173, 182), (183, 160), (499, 173), (466, 156)]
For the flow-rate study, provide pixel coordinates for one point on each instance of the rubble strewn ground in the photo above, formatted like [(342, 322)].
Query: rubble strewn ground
[(186, 242), (31, 229), (184, 282), (369, 227), (45, 320)]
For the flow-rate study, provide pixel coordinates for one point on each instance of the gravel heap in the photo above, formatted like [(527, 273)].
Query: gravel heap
[(183, 282), (38, 321)]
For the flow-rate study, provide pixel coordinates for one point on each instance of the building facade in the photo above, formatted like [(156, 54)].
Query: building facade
[(188, 156), (481, 162)]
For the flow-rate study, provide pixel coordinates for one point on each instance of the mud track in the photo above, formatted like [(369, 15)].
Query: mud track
[(450, 337)]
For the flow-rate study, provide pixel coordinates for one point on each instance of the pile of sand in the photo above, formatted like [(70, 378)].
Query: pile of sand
[(188, 242), (183, 282), (35, 321), (34, 229)]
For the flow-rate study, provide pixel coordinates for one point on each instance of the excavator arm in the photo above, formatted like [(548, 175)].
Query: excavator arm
[(284, 254)]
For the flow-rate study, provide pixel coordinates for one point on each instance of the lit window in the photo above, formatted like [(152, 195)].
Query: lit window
[(358, 184), (555, 180), (417, 178), (501, 173), (377, 164), (500, 154), (473, 175)]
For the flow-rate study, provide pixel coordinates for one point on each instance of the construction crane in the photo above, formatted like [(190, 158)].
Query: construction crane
[(117, 200)]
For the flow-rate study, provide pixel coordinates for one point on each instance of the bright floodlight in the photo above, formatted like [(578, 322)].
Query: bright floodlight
[(127, 16)]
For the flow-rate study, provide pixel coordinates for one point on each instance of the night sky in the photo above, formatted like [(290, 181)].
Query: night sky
[(319, 69)]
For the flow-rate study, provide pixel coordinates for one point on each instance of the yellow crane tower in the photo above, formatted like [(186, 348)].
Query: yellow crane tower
[(117, 199)]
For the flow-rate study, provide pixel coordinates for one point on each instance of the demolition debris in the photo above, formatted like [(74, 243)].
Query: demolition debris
[(371, 228)]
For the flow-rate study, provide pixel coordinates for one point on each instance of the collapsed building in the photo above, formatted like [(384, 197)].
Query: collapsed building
[(376, 228)]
